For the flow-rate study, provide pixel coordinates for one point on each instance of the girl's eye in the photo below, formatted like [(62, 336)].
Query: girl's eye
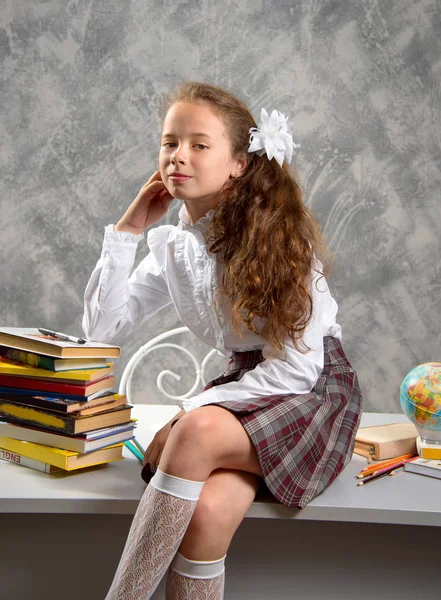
[(172, 144)]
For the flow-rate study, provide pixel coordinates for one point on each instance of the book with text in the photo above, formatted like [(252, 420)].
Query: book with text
[(25, 461), (30, 339), (63, 459)]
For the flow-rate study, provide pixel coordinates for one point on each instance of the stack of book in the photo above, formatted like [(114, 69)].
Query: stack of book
[(58, 409), (429, 461)]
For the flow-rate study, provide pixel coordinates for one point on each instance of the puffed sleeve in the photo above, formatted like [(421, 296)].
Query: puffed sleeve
[(115, 299), (297, 373)]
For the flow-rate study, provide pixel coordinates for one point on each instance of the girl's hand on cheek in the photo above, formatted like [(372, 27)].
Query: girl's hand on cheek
[(149, 206)]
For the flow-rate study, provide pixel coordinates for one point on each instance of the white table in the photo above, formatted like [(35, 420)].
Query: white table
[(56, 523)]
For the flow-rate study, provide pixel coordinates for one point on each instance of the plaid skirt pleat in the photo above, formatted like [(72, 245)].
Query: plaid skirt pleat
[(302, 441)]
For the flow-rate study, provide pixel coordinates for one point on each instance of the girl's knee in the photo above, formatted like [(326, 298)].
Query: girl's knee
[(195, 428), (210, 514)]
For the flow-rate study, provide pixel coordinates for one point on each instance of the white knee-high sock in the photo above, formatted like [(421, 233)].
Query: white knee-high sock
[(195, 579), (157, 529)]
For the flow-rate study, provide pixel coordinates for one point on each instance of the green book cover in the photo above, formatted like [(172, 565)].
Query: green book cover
[(50, 363)]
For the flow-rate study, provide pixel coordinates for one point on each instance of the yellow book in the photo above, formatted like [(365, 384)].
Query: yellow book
[(64, 459), (12, 367)]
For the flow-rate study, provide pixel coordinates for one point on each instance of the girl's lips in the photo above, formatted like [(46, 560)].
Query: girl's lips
[(179, 177)]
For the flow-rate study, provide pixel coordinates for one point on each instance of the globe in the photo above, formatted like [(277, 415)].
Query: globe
[(420, 398)]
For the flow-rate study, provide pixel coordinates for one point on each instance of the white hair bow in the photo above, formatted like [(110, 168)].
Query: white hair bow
[(272, 137)]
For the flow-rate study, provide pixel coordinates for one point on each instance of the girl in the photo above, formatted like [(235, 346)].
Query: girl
[(242, 270)]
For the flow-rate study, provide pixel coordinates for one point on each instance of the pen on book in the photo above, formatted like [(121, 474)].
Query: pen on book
[(62, 336), (134, 451)]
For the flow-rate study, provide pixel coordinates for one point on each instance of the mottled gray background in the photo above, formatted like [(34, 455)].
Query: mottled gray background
[(81, 88)]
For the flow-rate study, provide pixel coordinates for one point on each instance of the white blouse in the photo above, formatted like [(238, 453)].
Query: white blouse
[(180, 271)]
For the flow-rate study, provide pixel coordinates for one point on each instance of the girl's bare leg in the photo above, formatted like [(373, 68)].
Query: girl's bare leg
[(196, 573), (202, 441)]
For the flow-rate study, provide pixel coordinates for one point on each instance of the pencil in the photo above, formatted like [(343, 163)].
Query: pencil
[(138, 445), (384, 463), (371, 478), (397, 471), (406, 461), (393, 461), (387, 470), (134, 450)]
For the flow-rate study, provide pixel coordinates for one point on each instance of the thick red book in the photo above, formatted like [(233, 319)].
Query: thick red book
[(38, 385)]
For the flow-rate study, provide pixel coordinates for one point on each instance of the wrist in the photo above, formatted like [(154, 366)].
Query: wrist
[(128, 228), (176, 418)]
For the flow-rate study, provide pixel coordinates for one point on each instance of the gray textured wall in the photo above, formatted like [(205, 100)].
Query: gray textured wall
[(80, 125)]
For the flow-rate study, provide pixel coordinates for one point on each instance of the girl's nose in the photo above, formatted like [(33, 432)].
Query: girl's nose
[(176, 158)]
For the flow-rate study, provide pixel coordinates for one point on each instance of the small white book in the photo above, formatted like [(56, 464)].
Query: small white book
[(25, 461), (424, 466)]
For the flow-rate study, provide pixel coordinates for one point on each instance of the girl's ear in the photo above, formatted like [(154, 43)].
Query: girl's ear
[(240, 164)]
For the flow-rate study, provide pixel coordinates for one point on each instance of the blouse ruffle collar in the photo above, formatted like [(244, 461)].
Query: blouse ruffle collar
[(200, 224)]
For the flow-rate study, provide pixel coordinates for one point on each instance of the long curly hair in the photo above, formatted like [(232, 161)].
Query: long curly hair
[(262, 232)]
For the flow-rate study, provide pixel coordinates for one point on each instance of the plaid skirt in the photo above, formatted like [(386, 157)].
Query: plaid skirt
[(302, 441)]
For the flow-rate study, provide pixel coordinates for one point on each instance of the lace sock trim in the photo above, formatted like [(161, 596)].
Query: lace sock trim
[(181, 488), (180, 587), (198, 569), (156, 533)]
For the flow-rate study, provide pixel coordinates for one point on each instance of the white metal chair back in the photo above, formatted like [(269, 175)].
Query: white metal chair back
[(155, 344)]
